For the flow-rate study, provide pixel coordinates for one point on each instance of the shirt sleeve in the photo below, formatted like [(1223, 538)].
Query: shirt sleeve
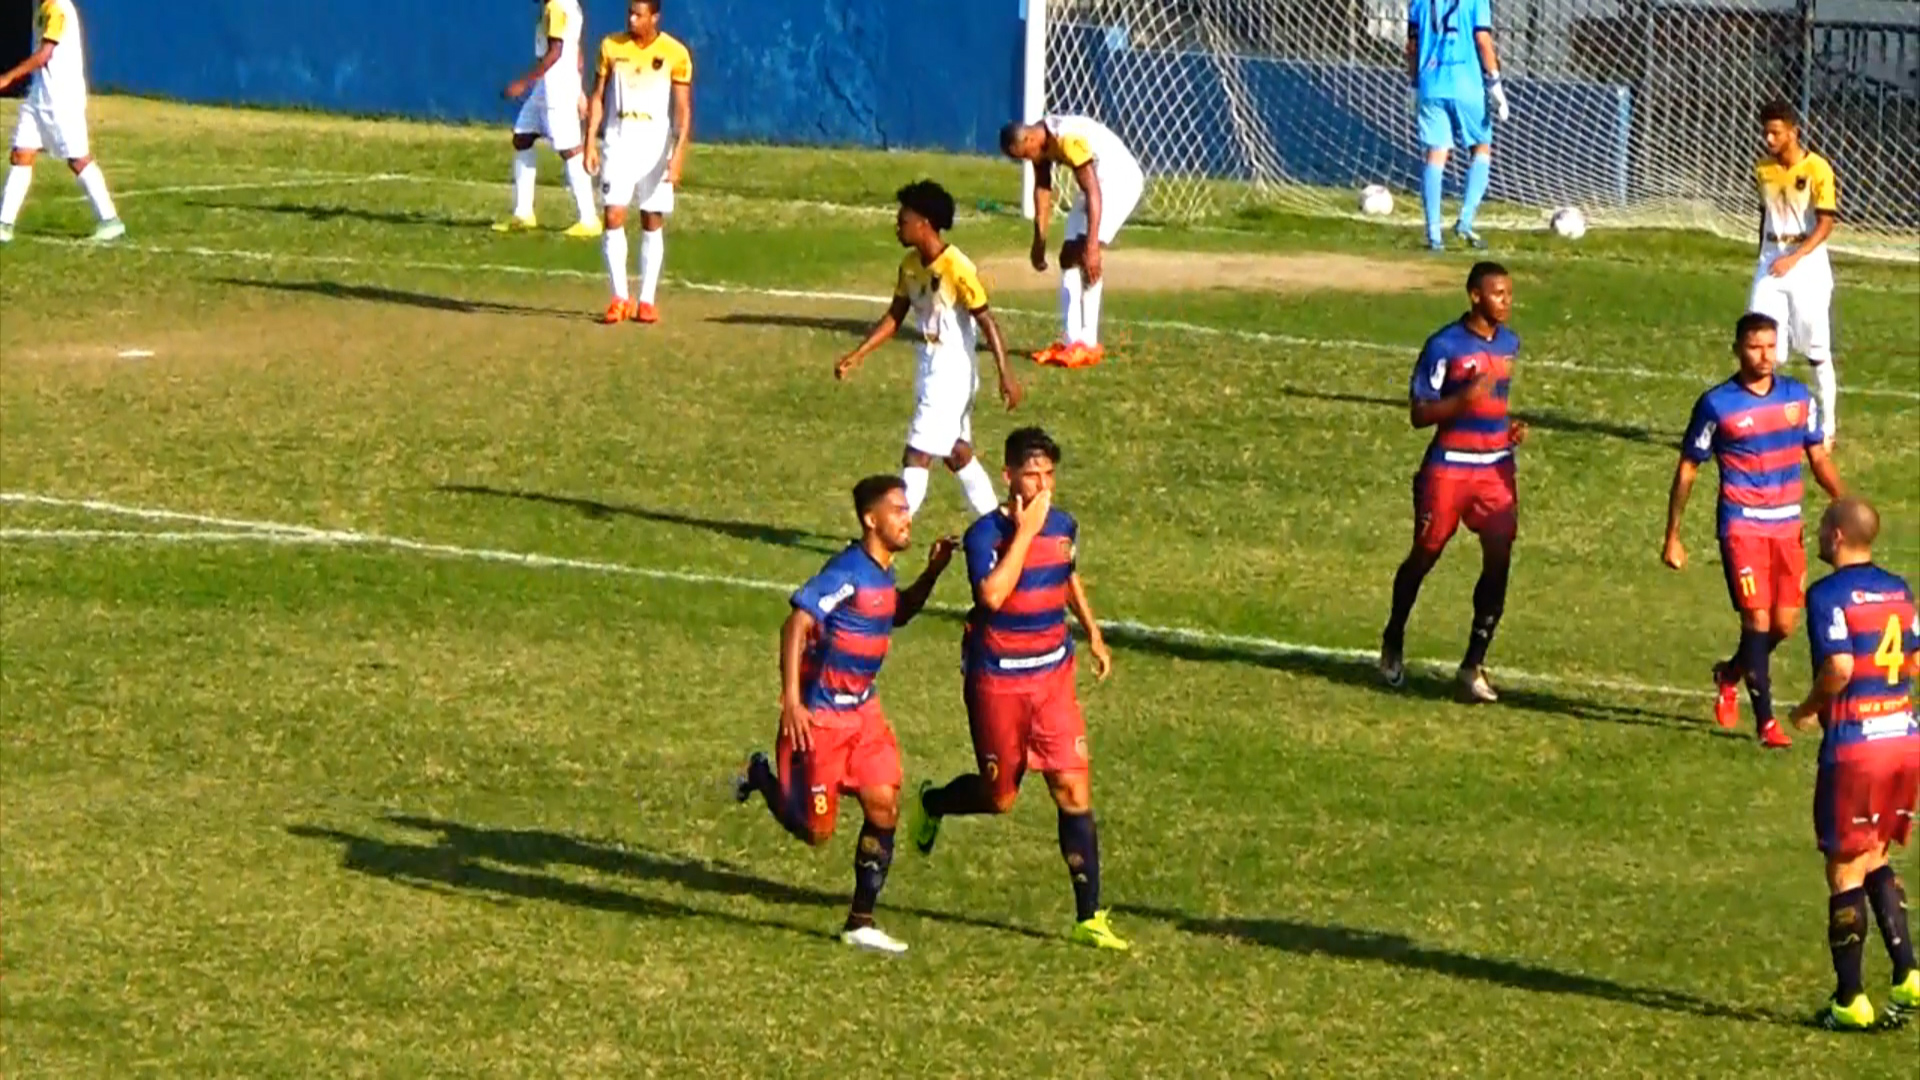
[(56, 27), (900, 290), (682, 71), (1815, 431), (982, 550), (605, 64), (1826, 189), (967, 287), (1429, 373), (822, 593), (1697, 444), (555, 20), (1483, 15), (1827, 631)]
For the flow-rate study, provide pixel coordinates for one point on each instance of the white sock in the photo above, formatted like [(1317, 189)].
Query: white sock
[(94, 183), (523, 173), (653, 254), (1070, 305), (19, 178), (581, 185), (916, 479), (613, 243), (1090, 312), (1828, 386), (979, 488)]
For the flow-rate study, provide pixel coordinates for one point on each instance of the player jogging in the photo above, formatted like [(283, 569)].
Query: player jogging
[(1799, 206), (1110, 183), (1456, 74), (54, 118), (833, 736), (641, 75), (1757, 424), (938, 285), (1018, 660), (1459, 388), (553, 111), (1866, 652)]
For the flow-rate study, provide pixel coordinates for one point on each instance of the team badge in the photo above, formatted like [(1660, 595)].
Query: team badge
[(1793, 412), (1799, 182), (660, 61)]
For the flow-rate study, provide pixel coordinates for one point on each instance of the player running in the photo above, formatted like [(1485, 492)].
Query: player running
[(553, 111), (54, 117), (833, 737), (642, 73), (1459, 389), (1866, 652), (1110, 183), (1456, 74), (1799, 206), (1756, 424), (939, 286), (1019, 675)]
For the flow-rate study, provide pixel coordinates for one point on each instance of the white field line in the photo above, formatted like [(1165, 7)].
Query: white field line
[(269, 532), (257, 185), (1164, 325)]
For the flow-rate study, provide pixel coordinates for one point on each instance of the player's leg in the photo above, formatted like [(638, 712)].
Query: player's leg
[(1897, 800), (562, 125), (1120, 191), (1748, 562), (27, 143), (999, 724), (1058, 747), (1494, 515), (1436, 516), (941, 403), (1810, 299), (1474, 129), (975, 484), (1073, 285), (528, 126), (873, 771), (618, 181), (1842, 801), (1435, 122), (656, 202), (67, 137)]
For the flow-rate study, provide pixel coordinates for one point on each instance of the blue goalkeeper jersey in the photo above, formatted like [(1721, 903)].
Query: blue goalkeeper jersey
[(1442, 32)]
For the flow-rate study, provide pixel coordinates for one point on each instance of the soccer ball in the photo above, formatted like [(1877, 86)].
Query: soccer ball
[(1376, 200), (1569, 223)]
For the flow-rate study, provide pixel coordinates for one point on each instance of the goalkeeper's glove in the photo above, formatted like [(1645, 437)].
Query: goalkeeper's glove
[(1497, 95)]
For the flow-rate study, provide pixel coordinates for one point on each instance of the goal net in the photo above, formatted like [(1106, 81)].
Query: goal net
[(1639, 112)]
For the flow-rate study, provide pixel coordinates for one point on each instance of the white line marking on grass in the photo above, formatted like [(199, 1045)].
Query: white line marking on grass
[(135, 354), (239, 530), (322, 180)]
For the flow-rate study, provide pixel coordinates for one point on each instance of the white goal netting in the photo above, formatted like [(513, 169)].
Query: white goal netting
[(1639, 112)]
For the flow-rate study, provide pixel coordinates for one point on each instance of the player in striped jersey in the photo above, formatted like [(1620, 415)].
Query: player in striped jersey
[(1865, 639), (1019, 675), (1757, 424), (1459, 388), (833, 737)]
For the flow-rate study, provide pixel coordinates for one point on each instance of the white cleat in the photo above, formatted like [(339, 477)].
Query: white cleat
[(109, 231), (873, 939), (6, 234), (1476, 688)]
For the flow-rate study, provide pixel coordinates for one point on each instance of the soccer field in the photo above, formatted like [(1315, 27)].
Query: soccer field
[(379, 634)]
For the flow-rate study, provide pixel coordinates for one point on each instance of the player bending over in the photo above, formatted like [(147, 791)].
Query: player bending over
[(833, 736), (553, 112), (938, 285), (1459, 389), (1799, 206), (642, 74), (54, 117), (1866, 652), (1019, 675), (1456, 73), (1110, 183), (1756, 424)]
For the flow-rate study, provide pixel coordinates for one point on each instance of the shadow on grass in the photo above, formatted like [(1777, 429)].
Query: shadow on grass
[(375, 294), (1544, 419), (593, 508), (325, 213), (1347, 943), (854, 328)]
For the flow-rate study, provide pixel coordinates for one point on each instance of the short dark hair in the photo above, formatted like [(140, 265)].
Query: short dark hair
[(1751, 323), (868, 493), (1778, 109), (931, 201), (1025, 443), (1010, 135), (1483, 270)]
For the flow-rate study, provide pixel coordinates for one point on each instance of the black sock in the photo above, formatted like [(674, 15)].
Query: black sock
[(962, 795), (1080, 846), (788, 807), (1489, 602), (1756, 647), (872, 855), (1889, 902), (1406, 590), (1847, 937)]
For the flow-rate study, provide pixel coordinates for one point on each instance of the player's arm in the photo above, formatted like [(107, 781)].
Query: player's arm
[(683, 129), (1834, 675), (995, 579), (597, 109), (520, 86), (1825, 472), (1042, 209), (1489, 58), (910, 600), (882, 331), (1089, 181), (1425, 405), (1082, 609), (38, 59), (794, 635), (1696, 447), (972, 294)]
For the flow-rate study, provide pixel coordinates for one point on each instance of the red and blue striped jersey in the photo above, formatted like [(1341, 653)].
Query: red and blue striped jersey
[(1028, 636), (1759, 440), (1867, 613), (1452, 358), (852, 601)]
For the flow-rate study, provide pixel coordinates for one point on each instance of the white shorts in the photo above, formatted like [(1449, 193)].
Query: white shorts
[(558, 122), (59, 128), (638, 179), (1802, 303), (1120, 190), (943, 408)]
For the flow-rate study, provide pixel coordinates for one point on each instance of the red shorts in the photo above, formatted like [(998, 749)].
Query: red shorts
[(1765, 572), (1868, 802), (1028, 723), (1486, 501), (858, 752)]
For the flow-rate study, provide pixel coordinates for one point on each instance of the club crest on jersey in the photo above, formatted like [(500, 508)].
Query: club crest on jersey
[(1799, 182), (1793, 412), (660, 61)]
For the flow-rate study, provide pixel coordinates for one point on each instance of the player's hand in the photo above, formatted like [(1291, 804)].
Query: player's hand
[(583, 109), (1674, 554), (1784, 265), (1517, 433), (941, 553), (795, 724), (1497, 94), (593, 160), (1102, 656), (516, 89), (1480, 387), (673, 173), (1038, 256), (845, 367), (1090, 263), (1804, 718), (1031, 517), (1010, 391)]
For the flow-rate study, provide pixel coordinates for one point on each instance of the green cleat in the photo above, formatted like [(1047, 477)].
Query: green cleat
[(926, 827), (1904, 1002), (1098, 933), (1855, 1016)]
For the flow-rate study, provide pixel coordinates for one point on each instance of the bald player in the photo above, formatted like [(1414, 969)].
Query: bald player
[(1866, 652)]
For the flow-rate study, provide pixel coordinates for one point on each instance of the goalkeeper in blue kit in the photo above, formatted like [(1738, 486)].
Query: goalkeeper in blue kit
[(1456, 83)]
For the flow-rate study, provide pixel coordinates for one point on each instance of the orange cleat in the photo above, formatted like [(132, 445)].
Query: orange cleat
[(1053, 354), (1773, 737), (1726, 701), (1078, 355), (618, 311), (645, 313)]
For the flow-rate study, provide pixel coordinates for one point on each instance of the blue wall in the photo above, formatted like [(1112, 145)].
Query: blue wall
[(884, 73)]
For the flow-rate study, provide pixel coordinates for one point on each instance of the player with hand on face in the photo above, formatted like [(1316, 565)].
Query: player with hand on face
[(833, 737), (1756, 424), (1865, 639), (938, 285), (1799, 206), (553, 111), (1459, 388)]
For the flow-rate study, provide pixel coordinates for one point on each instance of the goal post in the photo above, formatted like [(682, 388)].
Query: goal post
[(1638, 112)]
